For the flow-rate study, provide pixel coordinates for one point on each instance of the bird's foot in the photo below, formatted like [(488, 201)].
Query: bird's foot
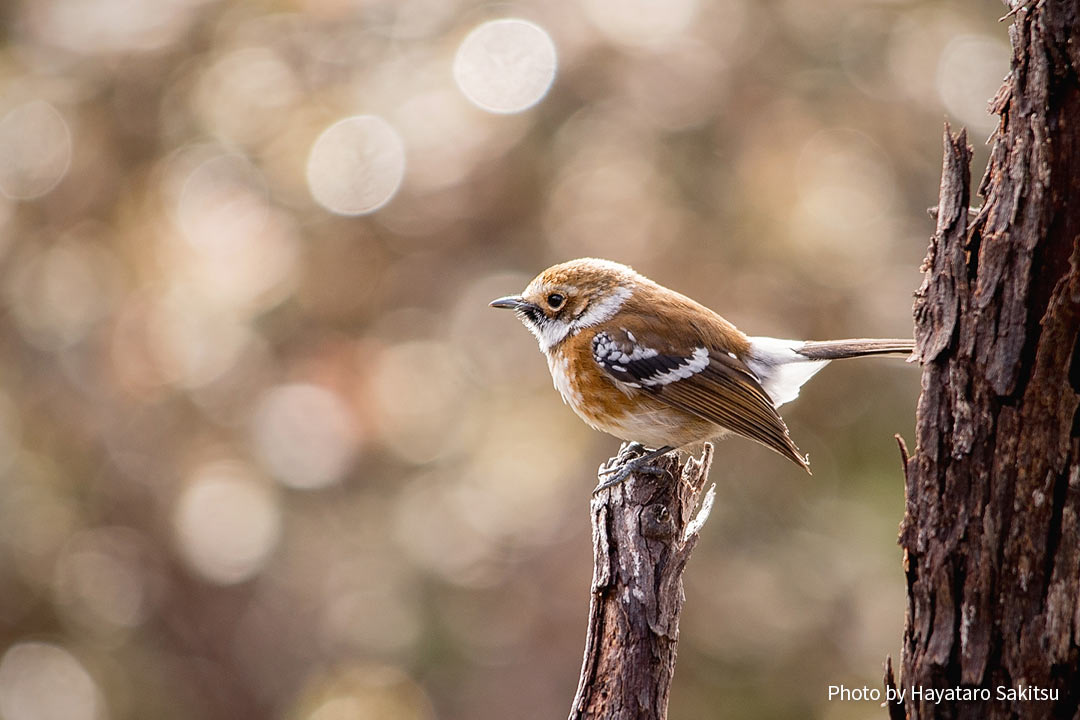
[(641, 464)]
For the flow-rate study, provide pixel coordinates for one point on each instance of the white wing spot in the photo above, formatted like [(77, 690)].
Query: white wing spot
[(607, 351), (691, 366), (603, 347)]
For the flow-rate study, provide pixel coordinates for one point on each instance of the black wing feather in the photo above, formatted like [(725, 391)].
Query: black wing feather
[(718, 387)]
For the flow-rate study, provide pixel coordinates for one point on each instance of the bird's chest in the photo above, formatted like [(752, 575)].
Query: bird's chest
[(564, 374), (616, 408), (584, 387)]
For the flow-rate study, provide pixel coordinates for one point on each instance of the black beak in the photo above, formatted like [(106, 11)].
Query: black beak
[(511, 302)]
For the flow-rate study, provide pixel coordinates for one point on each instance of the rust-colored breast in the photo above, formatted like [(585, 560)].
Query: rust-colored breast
[(584, 386), (617, 408)]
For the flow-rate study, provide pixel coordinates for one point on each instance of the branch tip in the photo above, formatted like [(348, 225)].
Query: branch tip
[(695, 525)]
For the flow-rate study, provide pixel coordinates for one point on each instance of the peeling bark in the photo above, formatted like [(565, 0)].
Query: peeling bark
[(991, 535)]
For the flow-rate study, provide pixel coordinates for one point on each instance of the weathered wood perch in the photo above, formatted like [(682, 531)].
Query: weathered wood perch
[(643, 532)]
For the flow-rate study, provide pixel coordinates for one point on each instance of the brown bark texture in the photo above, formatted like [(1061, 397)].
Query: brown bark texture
[(991, 535), (643, 532)]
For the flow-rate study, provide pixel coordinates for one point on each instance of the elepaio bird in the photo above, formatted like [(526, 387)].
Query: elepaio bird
[(650, 365)]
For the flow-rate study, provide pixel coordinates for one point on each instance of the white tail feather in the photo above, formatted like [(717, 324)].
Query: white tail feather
[(781, 370)]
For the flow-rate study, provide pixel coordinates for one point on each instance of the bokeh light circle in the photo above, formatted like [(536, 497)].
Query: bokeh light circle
[(41, 681), (969, 73), (505, 66), (35, 150), (104, 27), (227, 522), (304, 435), (642, 23), (845, 183), (364, 691), (244, 92), (57, 295), (356, 165), (101, 584), (224, 196)]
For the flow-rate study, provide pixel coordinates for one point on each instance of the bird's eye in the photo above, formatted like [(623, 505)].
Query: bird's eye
[(555, 301)]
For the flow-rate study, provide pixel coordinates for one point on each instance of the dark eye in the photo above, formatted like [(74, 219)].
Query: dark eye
[(555, 301)]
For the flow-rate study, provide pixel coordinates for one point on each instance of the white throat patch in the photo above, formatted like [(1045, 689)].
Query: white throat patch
[(550, 333)]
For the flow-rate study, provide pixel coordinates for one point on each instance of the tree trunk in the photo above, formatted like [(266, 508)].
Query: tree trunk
[(991, 535), (643, 532)]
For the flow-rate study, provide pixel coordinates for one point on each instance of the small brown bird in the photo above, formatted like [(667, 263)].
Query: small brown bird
[(649, 365)]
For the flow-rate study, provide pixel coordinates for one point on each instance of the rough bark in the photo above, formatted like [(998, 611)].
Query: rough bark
[(643, 532), (991, 535)]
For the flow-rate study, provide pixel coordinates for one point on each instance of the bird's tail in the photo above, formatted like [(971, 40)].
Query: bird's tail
[(840, 349), (783, 366)]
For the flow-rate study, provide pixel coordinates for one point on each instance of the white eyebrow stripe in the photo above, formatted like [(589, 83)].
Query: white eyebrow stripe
[(604, 309)]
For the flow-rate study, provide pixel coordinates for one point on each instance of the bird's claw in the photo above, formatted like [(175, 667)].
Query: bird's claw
[(642, 463), (613, 465)]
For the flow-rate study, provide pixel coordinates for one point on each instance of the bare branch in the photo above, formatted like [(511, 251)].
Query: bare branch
[(643, 531)]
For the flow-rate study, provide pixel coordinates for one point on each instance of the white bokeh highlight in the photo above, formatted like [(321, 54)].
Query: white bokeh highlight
[(100, 584), (243, 92), (227, 522), (304, 435), (42, 681), (35, 150), (969, 73), (845, 184), (642, 23), (505, 66), (356, 165), (192, 347), (59, 294), (93, 27), (235, 252), (223, 196)]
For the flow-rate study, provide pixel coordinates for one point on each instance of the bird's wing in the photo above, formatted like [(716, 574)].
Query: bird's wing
[(705, 382)]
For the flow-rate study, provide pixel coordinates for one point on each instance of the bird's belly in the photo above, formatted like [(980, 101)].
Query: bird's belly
[(654, 425)]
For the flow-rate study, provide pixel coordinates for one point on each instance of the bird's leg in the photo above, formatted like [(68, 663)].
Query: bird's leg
[(641, 463)]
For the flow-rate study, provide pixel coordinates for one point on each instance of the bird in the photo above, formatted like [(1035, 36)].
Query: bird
[(653, 367)]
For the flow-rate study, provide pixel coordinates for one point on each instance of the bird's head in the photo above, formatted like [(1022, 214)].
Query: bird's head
[(570, 296)]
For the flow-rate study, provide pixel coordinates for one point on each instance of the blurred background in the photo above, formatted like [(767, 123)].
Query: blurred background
[(265, 452)]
